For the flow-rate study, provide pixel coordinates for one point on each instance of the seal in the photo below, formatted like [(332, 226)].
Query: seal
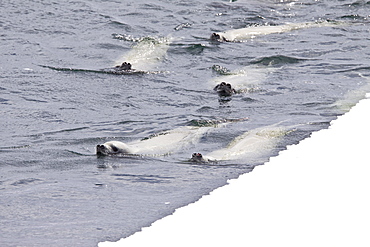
[(224, 89)]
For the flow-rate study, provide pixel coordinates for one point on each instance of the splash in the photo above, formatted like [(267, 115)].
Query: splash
[(250, 145), (170, 141), (246, 79), (146, 53), (243, 34)]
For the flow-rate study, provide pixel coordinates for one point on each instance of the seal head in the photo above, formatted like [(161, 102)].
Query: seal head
[(224, 89), (198, 157), (218, 37), (124, 66), (112, 148)]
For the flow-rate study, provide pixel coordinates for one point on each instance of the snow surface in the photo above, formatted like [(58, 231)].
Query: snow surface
[(315, 193)]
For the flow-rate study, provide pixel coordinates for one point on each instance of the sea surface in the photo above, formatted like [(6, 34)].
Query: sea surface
[(57, 103)]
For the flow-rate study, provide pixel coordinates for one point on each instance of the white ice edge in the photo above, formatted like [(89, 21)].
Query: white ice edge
[(314, 193)]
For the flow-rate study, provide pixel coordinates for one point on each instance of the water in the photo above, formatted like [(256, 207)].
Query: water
[(55, 191)]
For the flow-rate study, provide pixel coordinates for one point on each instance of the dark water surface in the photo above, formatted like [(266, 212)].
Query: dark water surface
[(54, 191)]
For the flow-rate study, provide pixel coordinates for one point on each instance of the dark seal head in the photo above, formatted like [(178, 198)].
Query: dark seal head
[(124, 66), (112, 147), (224, 89), (218, 37), (198, 157)]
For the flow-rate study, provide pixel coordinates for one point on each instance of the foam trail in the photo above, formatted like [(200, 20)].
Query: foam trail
[(243, 34), (245, 79), (146, 54), (250, 145), (170, 141)]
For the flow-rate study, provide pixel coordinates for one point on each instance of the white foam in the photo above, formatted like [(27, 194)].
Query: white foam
[(312, 194), (251, 144), (170, 141), (247, 33), (146, 54), (246, 79)]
